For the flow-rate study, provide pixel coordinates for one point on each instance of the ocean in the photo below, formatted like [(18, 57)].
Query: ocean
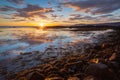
[(14, 41)]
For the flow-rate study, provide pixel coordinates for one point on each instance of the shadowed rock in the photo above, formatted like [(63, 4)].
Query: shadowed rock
[(100, 71)]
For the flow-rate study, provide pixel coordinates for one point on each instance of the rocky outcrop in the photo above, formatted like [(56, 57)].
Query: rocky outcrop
[(101, 62)]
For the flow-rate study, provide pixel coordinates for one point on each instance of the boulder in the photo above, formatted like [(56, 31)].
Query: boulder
[(100, 71)]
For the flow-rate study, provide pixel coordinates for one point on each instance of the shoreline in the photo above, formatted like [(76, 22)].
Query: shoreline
[(64, 57)]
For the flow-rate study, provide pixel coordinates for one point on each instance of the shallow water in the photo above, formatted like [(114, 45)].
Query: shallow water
[(16, 40)]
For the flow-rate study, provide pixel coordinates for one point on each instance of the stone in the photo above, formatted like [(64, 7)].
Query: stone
[(113, 56), (100, 71), (36, 76), (95, 60), (89, 78), (22, 78), (55, 78), (73, 78)]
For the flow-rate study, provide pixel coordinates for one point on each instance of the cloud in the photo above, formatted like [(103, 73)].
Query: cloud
[(106, 15), (19, 2), (33, 10), (49, 3), (54, 15), (30, 11), (94, 6), (76, 15), (80, 17), (60, 9), (7, 8)]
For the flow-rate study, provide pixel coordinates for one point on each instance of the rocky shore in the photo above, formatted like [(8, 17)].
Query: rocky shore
[(101, 62)]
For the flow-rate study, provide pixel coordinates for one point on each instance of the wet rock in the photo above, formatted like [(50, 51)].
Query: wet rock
[(74, 67), (95, 60), (117, 57), (59, 64), (113, 56), (64, 72), (51, 70), (35, 76), (90, 78), (73, 78), (114, 66), (22, 78), (80, 75), (100, 71), (55, 78)]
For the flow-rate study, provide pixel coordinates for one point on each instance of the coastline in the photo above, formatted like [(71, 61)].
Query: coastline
[(99, 55)]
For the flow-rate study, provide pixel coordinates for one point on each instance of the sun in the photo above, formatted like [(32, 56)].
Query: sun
[(41, 25)]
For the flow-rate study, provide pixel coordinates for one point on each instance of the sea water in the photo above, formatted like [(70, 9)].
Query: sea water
[(16, 40)]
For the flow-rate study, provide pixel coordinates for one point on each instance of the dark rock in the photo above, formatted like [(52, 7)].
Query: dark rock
[(54, 78), (100, 71), (114, 66), (74, 66), (64, 72), (36, 76), (73, 78), (51, 70), (90, 78), (117, 57), (80, 75), (22, 78)]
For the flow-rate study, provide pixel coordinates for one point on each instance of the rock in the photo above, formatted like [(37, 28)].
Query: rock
[(51, 70), (113, 56), (95, 60), (73, 78), (22, 78), (55, 78), (114, 66), (100, 71), (36, 76), (117, 57), (89, 78), (63, 72), (80, 75), (74, 66), (103, 45)]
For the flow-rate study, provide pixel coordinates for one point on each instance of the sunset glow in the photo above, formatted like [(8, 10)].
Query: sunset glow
[(41, 24), (58, 12), (59, 39)]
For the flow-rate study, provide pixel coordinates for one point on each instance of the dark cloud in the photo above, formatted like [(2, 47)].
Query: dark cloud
[(19, 2), (60, 9), (54, 15), (49, 3), (94, 6), (106, 15), (7, 8), (76, 15), (9, 17), (80, 17), (101, 18), (28, 12), (33, 10)]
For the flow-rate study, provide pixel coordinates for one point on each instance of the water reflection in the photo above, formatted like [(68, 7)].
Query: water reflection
[(32, 39)]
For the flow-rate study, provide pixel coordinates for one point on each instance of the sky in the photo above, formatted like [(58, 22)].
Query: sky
[(58, 12)]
